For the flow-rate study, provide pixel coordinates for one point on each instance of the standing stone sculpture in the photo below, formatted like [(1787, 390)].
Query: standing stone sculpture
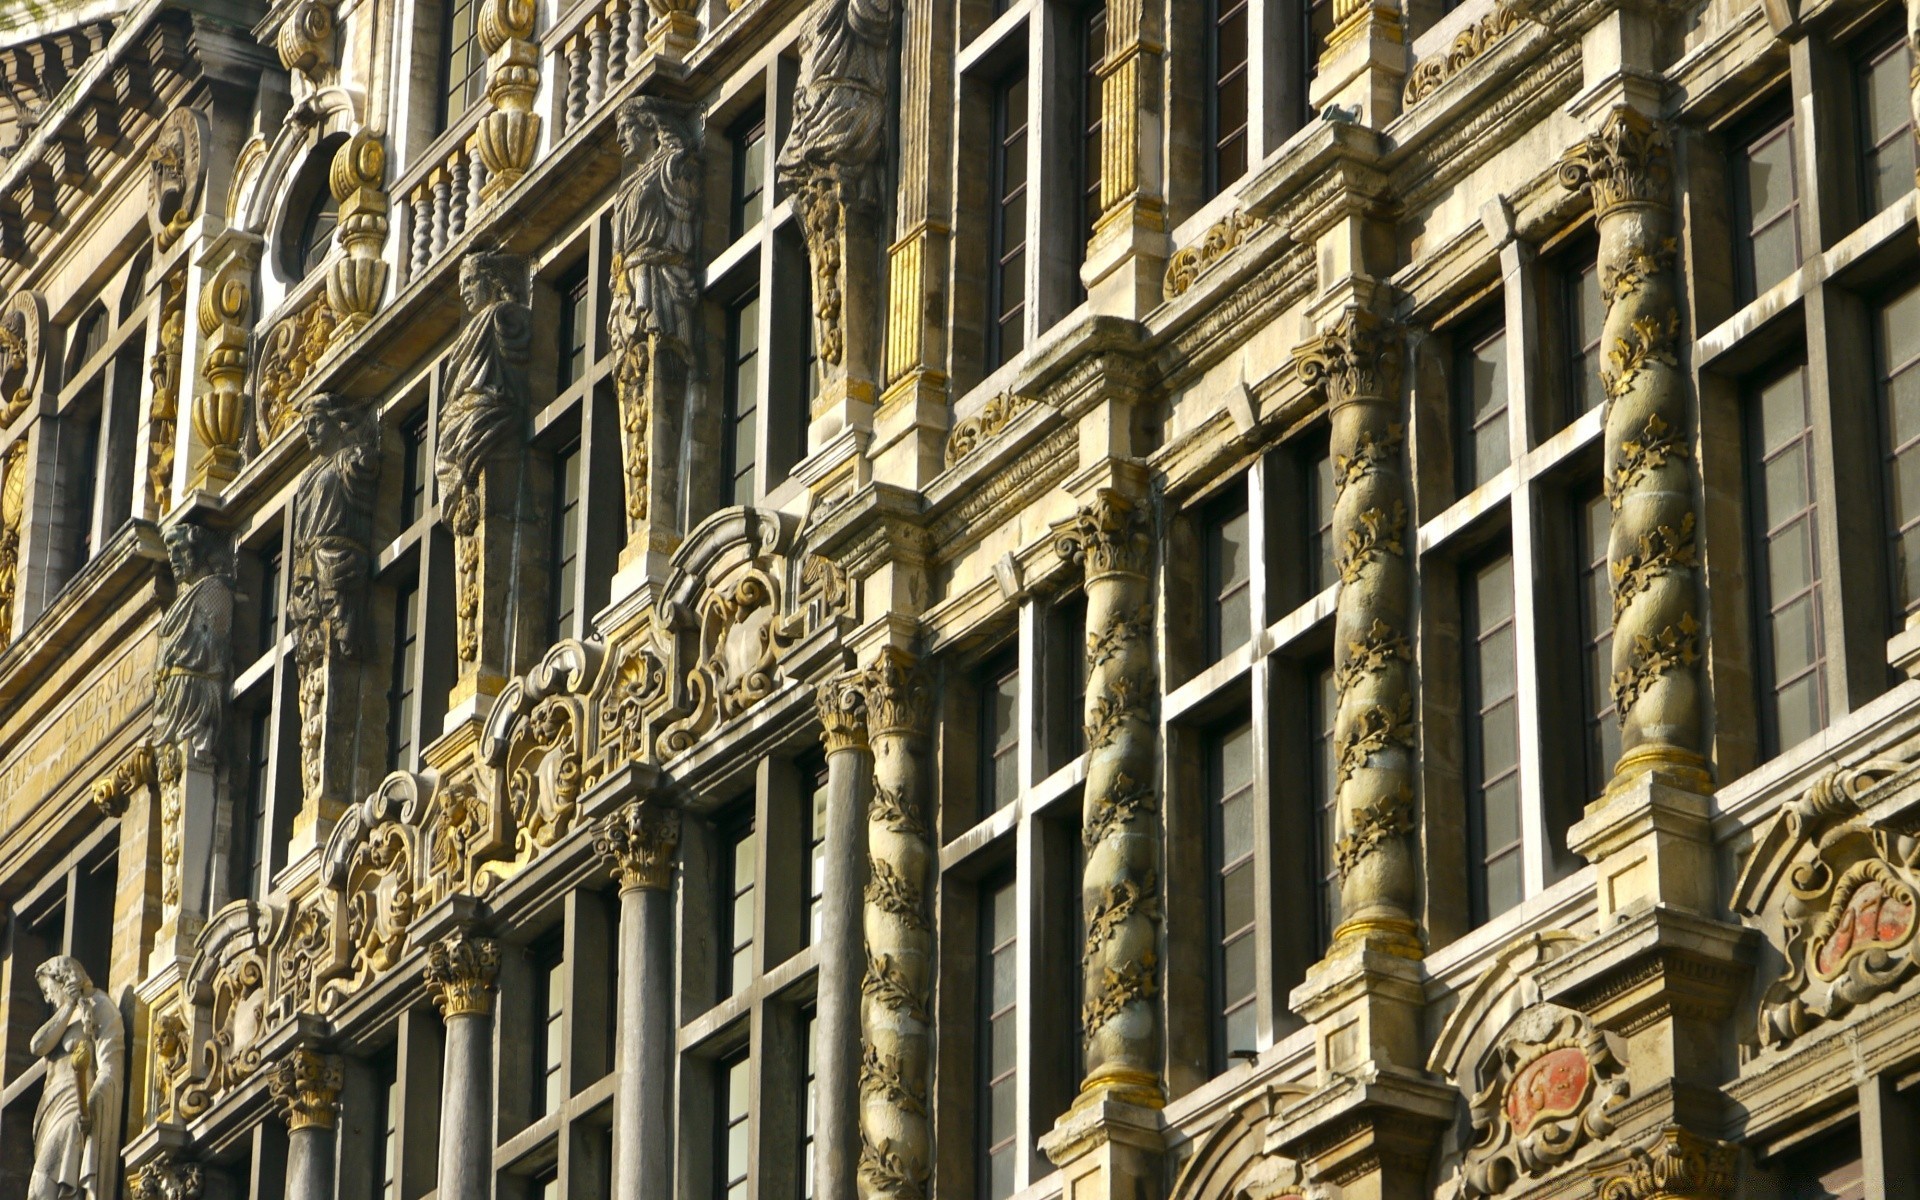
[(1119, 888), (1651, 555), (196, 644), (655, 232), (1355, 362), (481, 443), (75, 1148), (326, 607), (833, 163)]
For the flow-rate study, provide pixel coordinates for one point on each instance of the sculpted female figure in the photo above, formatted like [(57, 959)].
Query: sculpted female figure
[(74, 1128), (486, 380)]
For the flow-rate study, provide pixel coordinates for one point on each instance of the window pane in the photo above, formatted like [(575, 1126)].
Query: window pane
[(1776, 254), (1770, 182), (1493, 754)]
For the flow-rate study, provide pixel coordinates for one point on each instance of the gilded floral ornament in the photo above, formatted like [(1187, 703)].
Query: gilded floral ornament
[(293, 348), (640, 840), (163, 373), (1222, 238), (970, 434), (306, 1084), (1549, 1087), (460, 973), (1466, 48), (1677, 1165)]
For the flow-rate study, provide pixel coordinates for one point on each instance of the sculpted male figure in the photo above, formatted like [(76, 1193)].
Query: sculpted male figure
[(332, 526), (196, 647), (486, 380), (73, 1129), (840, 105)]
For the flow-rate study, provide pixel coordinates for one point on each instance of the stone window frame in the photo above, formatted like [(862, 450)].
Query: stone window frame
[(1885, 40), (1034, 841)]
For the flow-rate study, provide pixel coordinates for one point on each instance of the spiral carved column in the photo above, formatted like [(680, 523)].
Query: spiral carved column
[(896, 1025), (1651, 557), (1120, 887), (1356, 362)]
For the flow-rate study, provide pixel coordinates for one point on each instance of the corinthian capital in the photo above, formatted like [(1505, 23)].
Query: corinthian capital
[(165, 1179), (306, 1085), (898, 698), (1106, 537), (1355, 358), (843, 713), (460, 972), (1628, 162), (1677, 1165), (640, 839)]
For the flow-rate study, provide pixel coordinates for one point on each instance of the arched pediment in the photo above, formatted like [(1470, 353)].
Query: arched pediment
[(1503, 989), (1230, 1161)]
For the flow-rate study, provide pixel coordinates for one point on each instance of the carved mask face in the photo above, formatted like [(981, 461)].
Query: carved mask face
[(169, 172)]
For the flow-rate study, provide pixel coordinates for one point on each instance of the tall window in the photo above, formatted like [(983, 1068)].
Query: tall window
[(1000, 1068), (1786, 563), (1886, 124), (246, 873), (1007, 234), (739, 909), (464, 79), (1480, 400), (1584, 312), (576, 327), (1320, 544), (414, 478), (1093, 48), (733, 1154), (267, 618), (403, 679), (1897, 350), (817, 854), (1229, 572), (999, 735), (1227, 96), (316, 230), (550, 978), (79, 448), (742, 413), (386, 1169), (1324, 701), (1230, 788), (749, 173), (807, 1104), (1767, 194), (564, 553), (1493, 757), (1595, 519)]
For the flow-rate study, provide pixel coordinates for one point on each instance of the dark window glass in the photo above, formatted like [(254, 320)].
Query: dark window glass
[(1230, 789), (1493, 754), (576, 327), (1886, 124), (91, 337), (1787, 565), (550, 978), (739, 907), (742, 413), (1769, 200), (1585, 313), (1321, 571), (316, 231), (999, 1006), (248, 870), (414, 468), (1093, 48), (1007, 261), (1227, 98), (1595, 524), (1828, 1168), (403, 676), (464, 79), (807, 1090), (269, 614), (999, 735), (732, 1155), (1324, 701), (79, 433), (1229, 572), (749, 175), (565, 548), (386, 1165), (1898, 353), (1480, 400), (816, 850)]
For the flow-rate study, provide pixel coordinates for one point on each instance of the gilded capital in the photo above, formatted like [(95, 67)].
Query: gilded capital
[(306, 1085), (166, 1179), (1355, 358), (1677, 1165), (460, 972), (1107, 537), (1628, 162), (843, 713), (640, 839), (898, 698)]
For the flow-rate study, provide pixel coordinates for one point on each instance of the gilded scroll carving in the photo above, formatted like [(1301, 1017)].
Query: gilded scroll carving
[(239, 1008), (1626, 170), (305, 44), (220, 412), (511, 131), (163, 372), (113, 792), (544, 775), (740, 634), (1676, 1165), (1222, 238), (1549, 1087), (1465, 49), (1836, 899), (306, 954), (1354, 364), (23, 323), (372, 862), (986, 424), (638, 691), (176, 175), (357, 279), (293, 348), (1110, 540), (656, 230), (13, 511)]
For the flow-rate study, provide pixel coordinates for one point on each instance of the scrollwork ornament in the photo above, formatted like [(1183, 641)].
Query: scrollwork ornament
[(1550, 1086), (1677, 1165), (460, 972), (306, 1085)]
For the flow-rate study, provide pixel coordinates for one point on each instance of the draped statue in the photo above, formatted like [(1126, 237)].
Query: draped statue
[(655, 220), (74, 1134), (333, 526), (196, 644), (840, 105), (487, 394)]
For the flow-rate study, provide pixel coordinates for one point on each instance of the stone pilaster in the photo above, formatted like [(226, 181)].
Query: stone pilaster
[(225, 315), (1127, 255), (1111, 540), (1913, 49), (1651, 555), (640, 840), (1364, 64), (1674, 1165), (837, 1024), (305, 1086), (460, 974), (357, 280), (510, 133), (896, 1026)]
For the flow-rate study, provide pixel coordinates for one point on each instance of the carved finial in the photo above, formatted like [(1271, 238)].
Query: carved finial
[(460, 972), (1109, 536), (306, 1085), (640, 839), (1628, 162)]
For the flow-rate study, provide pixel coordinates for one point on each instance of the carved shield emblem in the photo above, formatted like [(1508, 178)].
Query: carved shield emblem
[(1552, 1085)]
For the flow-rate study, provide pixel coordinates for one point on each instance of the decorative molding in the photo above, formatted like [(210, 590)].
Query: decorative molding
[(1466, 48), (1222, 238), (1677, 1165), (166, 1178), (1549, 1087), (993, 417)]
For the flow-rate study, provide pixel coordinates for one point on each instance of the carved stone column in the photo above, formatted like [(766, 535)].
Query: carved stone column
[(13, 512), (837, 1024), (1127, 255), (305, 1085), (833, 161), (487, 498), (1355, 364), (511, 132), (896, 1025), (220, 410), (357, 281), (655, 233), (460, 973), (1676, 1165), (641, 839)]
